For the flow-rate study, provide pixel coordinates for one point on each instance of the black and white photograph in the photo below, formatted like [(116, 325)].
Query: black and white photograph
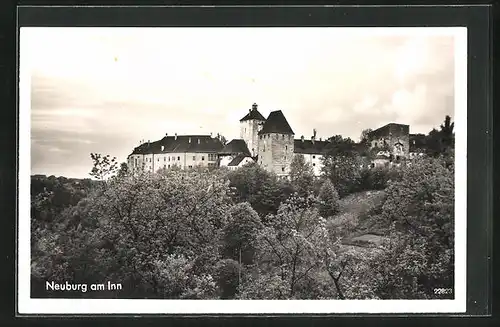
[(190, 170)]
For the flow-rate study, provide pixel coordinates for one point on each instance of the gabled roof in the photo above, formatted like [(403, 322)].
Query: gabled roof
[(236, 146), (310, 147), (237, 160), (180, 144), (276, 123), (253, 114)]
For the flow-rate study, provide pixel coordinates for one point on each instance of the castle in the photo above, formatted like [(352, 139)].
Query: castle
[(268, 141)]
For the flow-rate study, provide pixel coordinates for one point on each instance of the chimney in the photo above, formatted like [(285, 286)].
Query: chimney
[(175, 136), (312, 139), (254, 106), (210, 134), (314, 134), (166, 134), (302, 138), (320, 139)]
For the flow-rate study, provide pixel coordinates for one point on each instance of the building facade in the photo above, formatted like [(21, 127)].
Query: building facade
[(184, 151), (394, 138), (268, 141)]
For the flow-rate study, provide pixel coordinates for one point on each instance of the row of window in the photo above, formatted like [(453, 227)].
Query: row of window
[(211, 157), (283, 136)]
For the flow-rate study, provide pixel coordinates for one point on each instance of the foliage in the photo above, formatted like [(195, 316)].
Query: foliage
[(240, 233), (123, 171), (146, 228), (343, 172), (421, 208), (227, 272), (377, 178), (263, 190), (103, 166), (301, 175), (441, 142), (328, 199)]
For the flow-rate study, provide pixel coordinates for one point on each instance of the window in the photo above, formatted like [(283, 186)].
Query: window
[(314, 164), (190, 167), (164, 166), (202, 158), (178, 158), (158, 159), (168, 166), (282, 168), (164, 159), (260, 137), (283, 136), (314, 157), (194, 158)]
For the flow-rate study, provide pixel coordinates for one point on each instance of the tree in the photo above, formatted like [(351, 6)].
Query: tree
[(287, 248), (365, 136), (447, 133), (420, 255), (328, 200), (240, 233), (341, 164), (123, 171), (255, 185), (301, 175), (158, 234), (103, 166)]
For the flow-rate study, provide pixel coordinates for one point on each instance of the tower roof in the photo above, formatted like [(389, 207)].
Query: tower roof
[(276, 123), (253, 114), (236, 146)]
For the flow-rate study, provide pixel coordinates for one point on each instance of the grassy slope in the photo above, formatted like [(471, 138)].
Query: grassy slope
[(353, 211)]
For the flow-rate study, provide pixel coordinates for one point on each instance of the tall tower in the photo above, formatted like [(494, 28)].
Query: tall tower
[(249, 129), (276, 144)]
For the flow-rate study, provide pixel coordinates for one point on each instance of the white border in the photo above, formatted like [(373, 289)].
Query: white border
[(26, 305)]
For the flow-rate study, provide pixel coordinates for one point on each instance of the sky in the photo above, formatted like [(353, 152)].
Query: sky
[(105, 89)]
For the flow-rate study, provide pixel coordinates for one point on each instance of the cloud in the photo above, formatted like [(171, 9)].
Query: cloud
[(104, 90)]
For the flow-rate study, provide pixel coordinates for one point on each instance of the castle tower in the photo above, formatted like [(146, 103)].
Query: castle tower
[(276, 144), (249, 129)]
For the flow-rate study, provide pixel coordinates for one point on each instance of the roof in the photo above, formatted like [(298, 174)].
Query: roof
[(237, 160), (236, 146), (180, 144), (388, 129), (310, 147), (253, 114), (276, 123)]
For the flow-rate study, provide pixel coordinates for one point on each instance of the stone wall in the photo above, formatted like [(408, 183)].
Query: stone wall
[(276, 152), (249, 132)]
